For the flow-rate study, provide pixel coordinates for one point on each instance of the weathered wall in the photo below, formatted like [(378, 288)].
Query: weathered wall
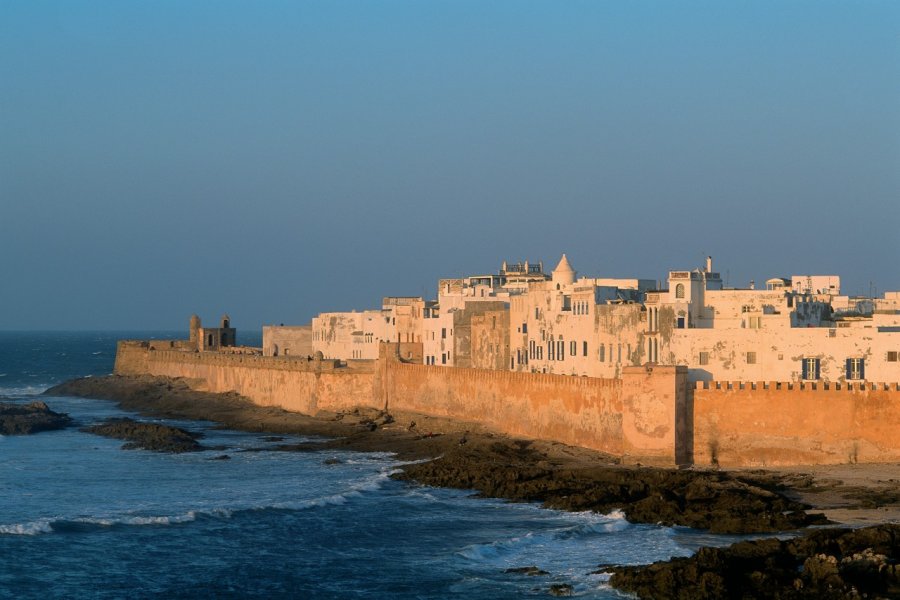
[(490, 340), (280, 340), (293, 384), (769, 423), (573, 410), (655, 414)]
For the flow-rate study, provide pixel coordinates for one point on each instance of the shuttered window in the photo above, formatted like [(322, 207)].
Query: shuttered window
[(855, 369), (810, 369)]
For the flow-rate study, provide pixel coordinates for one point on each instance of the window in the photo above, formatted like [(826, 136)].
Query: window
[(551, 350), (536, 315), (892, 356), (754, 322), (856, 368), (524, 327), (573, 348), (601, 353), (751, 358), (560, 350), (443, 358), (704, 358), (584, 348), (810, 369), (443, 333), (679, 290), (620, 353), (680, 323)]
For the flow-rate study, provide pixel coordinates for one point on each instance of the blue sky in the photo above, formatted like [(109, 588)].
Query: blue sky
[(277, 159)]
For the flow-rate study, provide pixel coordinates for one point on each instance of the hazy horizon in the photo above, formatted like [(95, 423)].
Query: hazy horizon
[(280, 159)]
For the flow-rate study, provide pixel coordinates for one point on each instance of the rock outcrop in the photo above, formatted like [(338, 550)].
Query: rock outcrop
[(18, 419), (147, 436), (823, 564)]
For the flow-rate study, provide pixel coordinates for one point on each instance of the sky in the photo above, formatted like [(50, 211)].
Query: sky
[(273, 160)]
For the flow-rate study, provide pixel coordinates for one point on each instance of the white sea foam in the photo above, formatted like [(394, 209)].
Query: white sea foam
[(584, 525), (32, 528), (13, 391)]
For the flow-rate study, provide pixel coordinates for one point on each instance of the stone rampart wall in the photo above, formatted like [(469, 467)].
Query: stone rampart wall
[(783, 423), (293, 384), (573, 410), (648, 415)]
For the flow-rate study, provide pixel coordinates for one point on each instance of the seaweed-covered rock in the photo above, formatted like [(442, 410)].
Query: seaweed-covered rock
[(147, 436), (18, 419)]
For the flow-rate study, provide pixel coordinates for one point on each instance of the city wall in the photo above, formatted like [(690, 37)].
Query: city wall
[(649, 415), (294, 384), (632, 417), (780, 423), (580, 411)]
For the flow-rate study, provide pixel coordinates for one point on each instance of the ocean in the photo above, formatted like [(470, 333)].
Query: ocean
[(82, 518)]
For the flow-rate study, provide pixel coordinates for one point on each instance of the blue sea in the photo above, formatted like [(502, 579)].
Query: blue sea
[(82, 518)]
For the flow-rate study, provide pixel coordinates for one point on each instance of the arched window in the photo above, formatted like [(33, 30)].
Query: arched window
[(679, 290)]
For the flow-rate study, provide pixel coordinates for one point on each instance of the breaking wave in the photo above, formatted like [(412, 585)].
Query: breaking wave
[(586, 524)]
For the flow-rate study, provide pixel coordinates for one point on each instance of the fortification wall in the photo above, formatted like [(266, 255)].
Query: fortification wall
[(573, 410), (293, 384), (779, 423)]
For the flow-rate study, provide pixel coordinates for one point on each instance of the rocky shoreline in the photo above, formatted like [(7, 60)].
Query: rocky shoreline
[(465, 456), (823, 564)]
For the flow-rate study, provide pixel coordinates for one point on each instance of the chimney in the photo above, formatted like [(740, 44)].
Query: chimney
[(709, 264)]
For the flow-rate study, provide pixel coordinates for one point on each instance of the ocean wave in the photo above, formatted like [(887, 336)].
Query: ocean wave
[(586, 524), (82, 524), (18, 391), (32, 528)]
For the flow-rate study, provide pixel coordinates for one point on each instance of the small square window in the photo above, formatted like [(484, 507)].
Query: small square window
[(892, 356), (704, 358), (751, 358)]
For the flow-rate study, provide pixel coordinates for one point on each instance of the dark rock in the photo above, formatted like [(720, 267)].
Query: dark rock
[(561, 589), (332, 461), (531, 571), (147, 436), (825, 563), (717, 501), (221, 457), (20, 419), (272, 438)]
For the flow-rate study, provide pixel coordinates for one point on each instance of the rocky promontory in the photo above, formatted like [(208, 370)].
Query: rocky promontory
[(147, 436), (823, 564), (18, 419)]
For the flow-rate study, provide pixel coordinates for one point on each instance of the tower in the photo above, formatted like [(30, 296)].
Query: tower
[(563, 274), (194, 329)]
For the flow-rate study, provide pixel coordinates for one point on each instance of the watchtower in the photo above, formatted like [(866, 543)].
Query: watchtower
[(195, 330)]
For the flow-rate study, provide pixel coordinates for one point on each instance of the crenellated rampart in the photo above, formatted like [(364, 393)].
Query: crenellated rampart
[(768, 423)]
